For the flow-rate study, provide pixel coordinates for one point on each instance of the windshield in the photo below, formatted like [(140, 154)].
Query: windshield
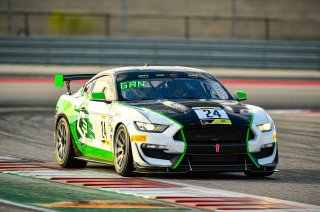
[(171, 88)]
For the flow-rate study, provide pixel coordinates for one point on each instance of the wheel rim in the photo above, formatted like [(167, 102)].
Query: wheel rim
[(61, 142), (120, 149)]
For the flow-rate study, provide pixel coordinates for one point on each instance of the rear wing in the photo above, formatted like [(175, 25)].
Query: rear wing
[(59, 79)]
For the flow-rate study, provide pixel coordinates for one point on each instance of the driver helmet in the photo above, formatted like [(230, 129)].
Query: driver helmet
[(179, 89)]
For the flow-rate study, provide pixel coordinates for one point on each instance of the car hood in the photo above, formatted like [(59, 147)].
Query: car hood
[(183, 111)]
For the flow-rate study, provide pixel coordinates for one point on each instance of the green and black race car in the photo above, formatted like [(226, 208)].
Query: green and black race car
[(162, 119)]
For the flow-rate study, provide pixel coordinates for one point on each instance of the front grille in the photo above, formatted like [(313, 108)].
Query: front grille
[(215, 134), (202, 153)]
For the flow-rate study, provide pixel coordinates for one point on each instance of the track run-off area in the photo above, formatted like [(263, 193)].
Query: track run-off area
[(30, 180)]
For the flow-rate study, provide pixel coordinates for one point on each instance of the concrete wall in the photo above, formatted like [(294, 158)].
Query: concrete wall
[(283, 9)]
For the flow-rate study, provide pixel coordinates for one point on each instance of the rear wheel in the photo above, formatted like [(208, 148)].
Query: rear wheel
[(64, 147), (123, 161), (258, 174)]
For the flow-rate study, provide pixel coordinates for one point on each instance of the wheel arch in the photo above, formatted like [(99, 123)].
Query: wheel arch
[(75, 147), (127, 168), (114, 133), (60, 116)]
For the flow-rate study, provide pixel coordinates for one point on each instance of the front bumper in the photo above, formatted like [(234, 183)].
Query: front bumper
[(203, 157)]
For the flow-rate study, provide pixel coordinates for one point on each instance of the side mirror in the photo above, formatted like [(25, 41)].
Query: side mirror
[(240, 96), (99, 96)]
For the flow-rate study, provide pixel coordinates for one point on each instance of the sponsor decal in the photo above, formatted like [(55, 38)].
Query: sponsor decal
[(138, 138), (160, 75), (132, 84), (84, 128), (143, 76), (221, 93), (193, 75), (105, 142), (173, 75), (274, 137), (216, 121)]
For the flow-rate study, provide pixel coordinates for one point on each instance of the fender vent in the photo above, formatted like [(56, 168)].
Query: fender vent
[(177, 136), (264, 152)]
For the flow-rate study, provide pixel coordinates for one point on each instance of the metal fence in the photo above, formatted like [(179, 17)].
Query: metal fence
[(155, 51), (185, 26)]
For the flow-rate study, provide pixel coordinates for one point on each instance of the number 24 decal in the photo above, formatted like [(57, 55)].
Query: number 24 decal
[(211, 114)]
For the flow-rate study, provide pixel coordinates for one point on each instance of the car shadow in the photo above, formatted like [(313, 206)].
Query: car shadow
[(299, 176), (294, 176), (207, 176)]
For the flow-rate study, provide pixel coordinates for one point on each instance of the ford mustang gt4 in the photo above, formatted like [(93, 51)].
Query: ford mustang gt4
[(162, 119)]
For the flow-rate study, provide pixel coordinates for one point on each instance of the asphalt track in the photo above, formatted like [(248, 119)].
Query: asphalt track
[(27, 125)]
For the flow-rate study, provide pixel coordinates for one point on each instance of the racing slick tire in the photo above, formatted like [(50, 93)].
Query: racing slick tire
[(258, 174), (64, 147), (123, 160)]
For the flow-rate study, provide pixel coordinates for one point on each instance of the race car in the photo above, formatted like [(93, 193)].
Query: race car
[(162, 119)]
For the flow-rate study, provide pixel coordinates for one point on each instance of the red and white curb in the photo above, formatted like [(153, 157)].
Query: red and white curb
[(162, 190)]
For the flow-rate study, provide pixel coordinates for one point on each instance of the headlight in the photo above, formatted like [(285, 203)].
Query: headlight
[(149, 127), (266, 127)]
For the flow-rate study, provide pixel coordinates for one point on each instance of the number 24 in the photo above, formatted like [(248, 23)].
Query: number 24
[(209, 114)]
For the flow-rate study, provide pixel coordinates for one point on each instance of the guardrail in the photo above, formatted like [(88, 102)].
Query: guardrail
[(266, 23), (135, 51)]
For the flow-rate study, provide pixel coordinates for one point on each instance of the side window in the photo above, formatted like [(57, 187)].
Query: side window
[(88, 87), (104, 84)]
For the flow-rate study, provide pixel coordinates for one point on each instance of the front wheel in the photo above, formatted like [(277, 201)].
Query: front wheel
[(258, 174), (123, 161), (64, 147)]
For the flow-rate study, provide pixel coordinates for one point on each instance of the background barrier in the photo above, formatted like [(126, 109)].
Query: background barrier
[(138, 51)]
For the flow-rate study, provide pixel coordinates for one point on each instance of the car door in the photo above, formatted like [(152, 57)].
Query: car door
[(98, 140), (84, 128)]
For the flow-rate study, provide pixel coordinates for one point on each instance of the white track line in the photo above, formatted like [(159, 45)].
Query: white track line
[(8, 159), (34, 208)]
